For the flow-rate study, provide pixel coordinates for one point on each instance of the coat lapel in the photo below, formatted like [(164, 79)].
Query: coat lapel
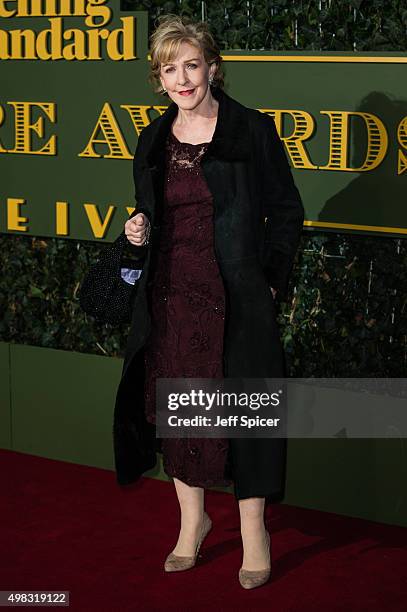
[(230, 140)]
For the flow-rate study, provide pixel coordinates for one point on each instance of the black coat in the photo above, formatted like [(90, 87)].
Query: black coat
[(247, 172)]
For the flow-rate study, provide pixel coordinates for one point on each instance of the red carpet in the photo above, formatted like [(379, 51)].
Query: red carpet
[(69, 527)]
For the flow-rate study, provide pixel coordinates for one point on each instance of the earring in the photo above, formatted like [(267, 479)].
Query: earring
[(210, 80)]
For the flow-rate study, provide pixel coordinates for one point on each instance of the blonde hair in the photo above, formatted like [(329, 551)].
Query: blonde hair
[(172, 30)]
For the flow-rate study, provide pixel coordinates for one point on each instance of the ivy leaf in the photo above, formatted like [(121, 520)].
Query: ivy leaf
[(36, 292)]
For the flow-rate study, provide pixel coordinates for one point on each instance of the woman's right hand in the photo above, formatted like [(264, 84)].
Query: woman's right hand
[(137, 229)]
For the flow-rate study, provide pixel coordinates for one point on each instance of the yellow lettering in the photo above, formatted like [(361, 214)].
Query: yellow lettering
[(4, 45), (377, 140), (47, 8), (30, 8), (160, 109), (4, 12), (48, 43), (98, 228), (62, 220), (94, 9), (94, 36), (14, 220), (402, 140), (138, 115), (16, 38), (65, 8), (76, 50), (112, 137), (2, 116), (53, 35), (24, 127), (127, 36), (303, 130)]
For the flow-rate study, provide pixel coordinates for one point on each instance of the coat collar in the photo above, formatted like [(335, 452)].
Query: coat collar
[(230, 140)]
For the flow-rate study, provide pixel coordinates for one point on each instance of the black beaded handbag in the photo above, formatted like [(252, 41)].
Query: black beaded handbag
[(104, 294)]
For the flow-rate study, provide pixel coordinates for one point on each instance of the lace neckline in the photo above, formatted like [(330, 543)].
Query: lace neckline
[(188, 144)]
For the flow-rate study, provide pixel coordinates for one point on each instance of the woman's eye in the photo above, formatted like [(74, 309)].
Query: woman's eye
[(189, 65)]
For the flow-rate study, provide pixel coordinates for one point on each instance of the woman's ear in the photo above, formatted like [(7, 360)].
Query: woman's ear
[(161, 80), (212, 69)]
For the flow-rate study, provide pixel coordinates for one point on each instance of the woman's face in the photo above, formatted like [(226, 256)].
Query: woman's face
[(187, 72)]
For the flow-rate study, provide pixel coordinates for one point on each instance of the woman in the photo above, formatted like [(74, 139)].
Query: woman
[(207, 172)]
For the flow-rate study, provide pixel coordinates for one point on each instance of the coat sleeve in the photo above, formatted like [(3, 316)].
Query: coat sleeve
[(140, 171), (282, 205)]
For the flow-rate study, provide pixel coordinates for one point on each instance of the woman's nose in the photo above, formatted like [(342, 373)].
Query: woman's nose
[(182, 76)]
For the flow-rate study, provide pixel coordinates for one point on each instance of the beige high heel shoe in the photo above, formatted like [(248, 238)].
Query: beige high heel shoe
[(250, 579), (177, 563)]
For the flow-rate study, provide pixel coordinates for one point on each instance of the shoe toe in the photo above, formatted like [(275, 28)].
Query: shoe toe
[(175, 563), (252, 579)]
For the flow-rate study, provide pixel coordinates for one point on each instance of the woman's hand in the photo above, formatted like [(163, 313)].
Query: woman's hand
[(273, 291), (137, 229)]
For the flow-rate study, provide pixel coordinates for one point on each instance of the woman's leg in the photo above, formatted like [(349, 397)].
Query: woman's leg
[(191, 501), (252, 527)]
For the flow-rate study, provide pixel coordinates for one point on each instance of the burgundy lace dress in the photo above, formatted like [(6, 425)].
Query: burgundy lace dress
[(188, 310)]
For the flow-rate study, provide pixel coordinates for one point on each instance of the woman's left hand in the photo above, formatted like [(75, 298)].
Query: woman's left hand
[(273, 291)]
